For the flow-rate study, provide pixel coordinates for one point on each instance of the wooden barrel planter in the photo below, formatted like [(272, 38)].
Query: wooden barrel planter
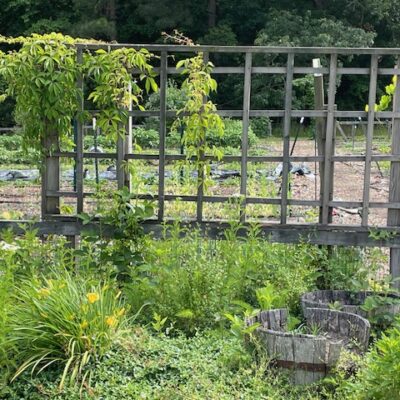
[(350, 301), (310, 357)]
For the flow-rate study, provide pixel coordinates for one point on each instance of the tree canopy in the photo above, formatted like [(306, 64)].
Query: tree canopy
[(350, 23)]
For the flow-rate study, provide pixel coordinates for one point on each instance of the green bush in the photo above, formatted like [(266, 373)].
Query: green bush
[(65, 321), (232, 136), (146, 138), (12, 152), (261, 126), (379, 377), (176, 100), (193, 282)]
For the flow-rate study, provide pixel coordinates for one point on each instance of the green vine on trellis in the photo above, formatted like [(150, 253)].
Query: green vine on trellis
[(42, 74), (199, 114), (114, 89)]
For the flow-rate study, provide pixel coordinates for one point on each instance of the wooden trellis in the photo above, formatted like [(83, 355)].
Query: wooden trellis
[(325, 114)]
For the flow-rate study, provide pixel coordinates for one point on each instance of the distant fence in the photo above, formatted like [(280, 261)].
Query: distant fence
[(325, 113)]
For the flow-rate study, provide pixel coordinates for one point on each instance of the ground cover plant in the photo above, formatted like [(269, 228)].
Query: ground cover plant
[(188, 296)]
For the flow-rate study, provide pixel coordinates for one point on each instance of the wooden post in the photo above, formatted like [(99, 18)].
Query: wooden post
[(163, 133), (50, 175), (245, 134), (286, 137), (128, 140), (320, 125), (370, 133), (393, 218), (200, 171), (327, 186), (79, 142)]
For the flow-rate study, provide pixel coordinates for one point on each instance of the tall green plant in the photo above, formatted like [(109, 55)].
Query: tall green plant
[(64, 321), (199, 115)]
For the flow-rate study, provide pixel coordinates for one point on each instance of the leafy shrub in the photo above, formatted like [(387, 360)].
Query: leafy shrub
[(65, 321), (350, 268), (232, 136), (12, 151), (379, 377), (195, 281), (261, 126), (175, 100), (146, 138)]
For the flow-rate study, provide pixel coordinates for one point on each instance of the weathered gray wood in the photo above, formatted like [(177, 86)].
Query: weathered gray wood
[(286, 136), (79, 140), (370, 132), (245, 134), (50, 175), (128, 141), (331, 235), (244, 49), (350, 302), (163, 133), (320, 126), (200, 170), (307, 356), (330, 128), (393, 218), (340, 325), (274, 113), (120, 159)]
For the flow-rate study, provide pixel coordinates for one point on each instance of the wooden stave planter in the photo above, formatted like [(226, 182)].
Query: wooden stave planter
[(309, 357), (351, 301)]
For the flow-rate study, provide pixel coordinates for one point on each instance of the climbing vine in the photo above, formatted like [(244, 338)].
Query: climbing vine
[(41, 77), (386, 99), (41, 74), (114, 89), (199, 114)]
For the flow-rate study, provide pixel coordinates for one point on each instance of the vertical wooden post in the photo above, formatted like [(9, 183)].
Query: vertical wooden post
[(120, 161), (200, 172), (370, 133), (50, 175), (128, 140), (286, 136), (163, 133), (320, 125), (79, 141), (329, 143), (245, 134), (394, 187)]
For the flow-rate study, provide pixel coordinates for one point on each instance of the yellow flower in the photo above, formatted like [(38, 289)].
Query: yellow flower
[(111, 321), (44, 292), (121, 312), (84, 324), (93, 297)]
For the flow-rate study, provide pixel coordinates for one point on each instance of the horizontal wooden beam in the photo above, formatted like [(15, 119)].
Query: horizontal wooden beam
[(282, 70), (332, 235), (243, 49)]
